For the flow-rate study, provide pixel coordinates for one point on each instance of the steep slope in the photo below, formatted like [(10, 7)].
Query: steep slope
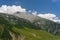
[(16, 28), (44, 24)]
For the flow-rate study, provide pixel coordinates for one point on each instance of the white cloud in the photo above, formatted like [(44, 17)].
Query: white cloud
[(49, 16), (11, 9), (34, 13)]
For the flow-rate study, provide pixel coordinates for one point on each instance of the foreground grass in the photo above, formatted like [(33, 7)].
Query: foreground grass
[(32, 34)]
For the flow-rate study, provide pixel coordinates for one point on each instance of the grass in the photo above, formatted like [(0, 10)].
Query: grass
[(32, 34)]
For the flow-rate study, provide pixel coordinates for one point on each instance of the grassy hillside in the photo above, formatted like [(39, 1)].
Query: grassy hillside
[(21, 29), (31, 34)]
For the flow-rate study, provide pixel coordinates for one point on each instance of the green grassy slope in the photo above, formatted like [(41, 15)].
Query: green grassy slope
[(31, 34), (22, 30)]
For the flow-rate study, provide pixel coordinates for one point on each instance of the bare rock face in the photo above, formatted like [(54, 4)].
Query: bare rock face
[(27, 16)]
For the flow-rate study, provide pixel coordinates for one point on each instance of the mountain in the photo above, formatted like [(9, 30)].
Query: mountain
[(42, 23), (24, 26)]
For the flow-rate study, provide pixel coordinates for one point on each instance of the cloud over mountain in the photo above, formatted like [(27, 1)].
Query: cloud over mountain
[(49, 16), (11, 9)]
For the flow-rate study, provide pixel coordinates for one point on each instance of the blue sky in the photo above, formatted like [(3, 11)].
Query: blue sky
[(41, 6)]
